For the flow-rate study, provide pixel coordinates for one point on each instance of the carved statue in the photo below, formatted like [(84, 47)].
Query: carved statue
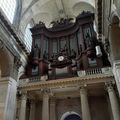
[(73, 53), (80, 48), (36, 53), (40, 24), (62, 22), (88, 41), (45, 55)]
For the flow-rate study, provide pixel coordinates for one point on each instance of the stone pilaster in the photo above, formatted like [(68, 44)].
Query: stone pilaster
[(23, 107), (84, 104), (52, 108), (113, 101), (32, 110), (45, 105), (10, 100)]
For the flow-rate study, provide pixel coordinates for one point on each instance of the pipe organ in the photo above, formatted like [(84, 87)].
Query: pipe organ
[(65, 48)]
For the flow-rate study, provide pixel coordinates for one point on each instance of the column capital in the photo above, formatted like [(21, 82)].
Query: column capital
[(109, 86), (46, 92), (83, 89), (23, 96), (52, 100), (32, 101)]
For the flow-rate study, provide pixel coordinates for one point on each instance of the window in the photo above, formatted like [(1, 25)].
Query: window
[(92, 62), (28, 37), (8, 7), (35, 70)]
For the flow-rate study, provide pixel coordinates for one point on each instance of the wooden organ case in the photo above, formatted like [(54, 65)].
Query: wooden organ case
[(65, 48)]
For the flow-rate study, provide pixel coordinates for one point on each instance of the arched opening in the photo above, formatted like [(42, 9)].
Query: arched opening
[(82, 6), (71, 116), (115, 38)]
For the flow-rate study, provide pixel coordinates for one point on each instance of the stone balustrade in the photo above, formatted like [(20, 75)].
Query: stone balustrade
[(95, 71), (84, 73)]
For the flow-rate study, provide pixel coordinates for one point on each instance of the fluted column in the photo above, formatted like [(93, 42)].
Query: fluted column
[(32, 110), (113, 102), (84, 104), (52, 109), (45, 105), (23, 107)]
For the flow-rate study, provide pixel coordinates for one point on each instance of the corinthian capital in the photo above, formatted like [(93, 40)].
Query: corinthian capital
[(109, 86)]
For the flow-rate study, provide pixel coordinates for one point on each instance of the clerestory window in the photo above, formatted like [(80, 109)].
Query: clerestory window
[(28, 37), (8, 7)]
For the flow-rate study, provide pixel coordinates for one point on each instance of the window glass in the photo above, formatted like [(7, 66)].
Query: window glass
[(28, 37), (8, 7), (92, 62)]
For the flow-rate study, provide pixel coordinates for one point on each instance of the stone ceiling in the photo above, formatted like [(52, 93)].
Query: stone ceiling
[(46, 11)]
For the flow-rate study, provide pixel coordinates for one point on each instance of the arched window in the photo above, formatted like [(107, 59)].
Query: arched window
[(8, 7), (28, 37)]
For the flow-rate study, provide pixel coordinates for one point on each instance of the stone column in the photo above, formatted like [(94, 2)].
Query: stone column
[(84, 104), (23, 107), (45, 105), (113, 102), (10, 100), (116, 72), (32, 110), (52, 109)]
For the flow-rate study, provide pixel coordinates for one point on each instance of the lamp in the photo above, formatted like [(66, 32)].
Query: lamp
[(98, 51)]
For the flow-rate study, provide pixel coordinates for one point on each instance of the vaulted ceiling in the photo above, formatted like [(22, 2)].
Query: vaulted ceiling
[(46, 11)]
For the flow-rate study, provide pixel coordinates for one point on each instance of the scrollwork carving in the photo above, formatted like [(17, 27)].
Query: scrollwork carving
[(107, 46), (17, 62), (62, 22)]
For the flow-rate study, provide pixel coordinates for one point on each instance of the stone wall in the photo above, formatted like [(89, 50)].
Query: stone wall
[(38, 111), (66, 105), (99, 107)]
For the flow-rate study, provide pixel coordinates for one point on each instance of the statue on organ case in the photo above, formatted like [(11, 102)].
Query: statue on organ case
[(36, 54), (88, 41), (73, 54), (45, 55)]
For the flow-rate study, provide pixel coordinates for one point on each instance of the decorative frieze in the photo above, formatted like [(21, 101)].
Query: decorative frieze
[(74, 81)]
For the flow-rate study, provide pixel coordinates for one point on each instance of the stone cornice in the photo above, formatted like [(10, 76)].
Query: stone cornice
[(7, 25), (74, 81)]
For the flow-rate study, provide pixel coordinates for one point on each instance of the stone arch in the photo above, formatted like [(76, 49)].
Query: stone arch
[(29, 14), (115, 37), (82, 6), (6, 63), (66, 114)]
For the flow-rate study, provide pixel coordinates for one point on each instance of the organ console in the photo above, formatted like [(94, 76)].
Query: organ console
[(65, 48)]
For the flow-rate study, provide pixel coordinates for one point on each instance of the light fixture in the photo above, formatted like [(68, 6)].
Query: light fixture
[(98, 51), (60, 58)]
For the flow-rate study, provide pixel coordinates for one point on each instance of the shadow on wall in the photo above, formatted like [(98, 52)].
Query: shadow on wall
[(115, 38), (5, 63)]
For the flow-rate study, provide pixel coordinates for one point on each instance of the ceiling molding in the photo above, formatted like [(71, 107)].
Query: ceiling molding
[(27, 9)]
